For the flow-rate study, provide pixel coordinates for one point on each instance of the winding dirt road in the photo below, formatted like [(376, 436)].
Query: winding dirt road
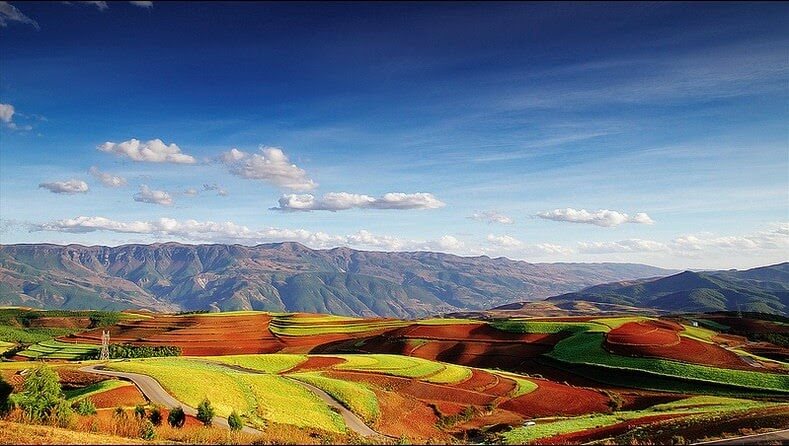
[(157, 395)]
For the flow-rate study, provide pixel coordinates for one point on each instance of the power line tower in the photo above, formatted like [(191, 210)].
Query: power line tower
[(105, 346)]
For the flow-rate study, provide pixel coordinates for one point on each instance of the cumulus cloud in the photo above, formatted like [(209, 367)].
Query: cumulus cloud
[(504, 241), (229, 232), (776, 237), (9, 13), (148, 195), (603, 217), (153, 151), (107, 179), (340, 201), (622, 246), (492, 217), (7, 113), (271, 165), (66, 187)]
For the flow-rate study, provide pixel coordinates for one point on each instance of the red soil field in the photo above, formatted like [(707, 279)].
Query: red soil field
[(409, 417), (554, 399), (475, 332), (447, 408), (478, 382), (121, 396), (60, 322), (317, 363), (657, 339), (72, 378), (195, 335), (604, 432)]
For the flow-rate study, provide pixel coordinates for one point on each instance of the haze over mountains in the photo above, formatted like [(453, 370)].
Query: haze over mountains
[(763, 290), (284, 277)]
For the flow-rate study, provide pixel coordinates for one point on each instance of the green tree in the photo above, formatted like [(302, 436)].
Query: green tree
[(235, 421), (41, 394), (156, 416), (205, 412), (84, 407), (177, 418), (139, 411)]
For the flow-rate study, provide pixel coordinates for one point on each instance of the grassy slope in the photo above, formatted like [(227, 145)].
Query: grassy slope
[(261, 397), (355, 396), (93, 389)]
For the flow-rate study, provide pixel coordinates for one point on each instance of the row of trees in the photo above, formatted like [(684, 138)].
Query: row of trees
[(119, 351)]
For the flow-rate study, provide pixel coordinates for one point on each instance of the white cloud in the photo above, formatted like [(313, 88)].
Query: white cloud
[(776, 237), (631, 245), (107, 179), (191, 192), (148, 195), (603, 217), (340, 201), (153, 151), (101, 6), (9, 13), (271, 165), (6, 113), (143, 4), (66, 187), (492, 217), (504, 241)]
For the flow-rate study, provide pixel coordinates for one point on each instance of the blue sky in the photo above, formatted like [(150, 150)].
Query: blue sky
[(649, 132)]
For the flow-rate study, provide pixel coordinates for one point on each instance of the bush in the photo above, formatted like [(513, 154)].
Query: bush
[(177, 417), (205, 412), (84, 407), (146, 430), (156, 416), (235, 421), (5, 392), (119, 413), (61, 415), (41, 394), (139, 411)]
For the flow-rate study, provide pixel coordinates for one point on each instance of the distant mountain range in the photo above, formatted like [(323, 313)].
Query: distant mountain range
[(284, 277), (763, 290)]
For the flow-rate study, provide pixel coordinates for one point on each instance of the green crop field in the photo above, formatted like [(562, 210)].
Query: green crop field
[(355, 396), (52, 349), (5, 346), (451, 374), (404, 366), (694, 405), (546, 327), (586, 348), (261, 397), (306, 326), (523, 385)]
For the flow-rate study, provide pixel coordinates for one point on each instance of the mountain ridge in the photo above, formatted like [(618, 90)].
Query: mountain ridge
[(287, 276)]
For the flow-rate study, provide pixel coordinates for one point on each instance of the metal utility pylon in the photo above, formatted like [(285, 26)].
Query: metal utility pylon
[(105, 346)]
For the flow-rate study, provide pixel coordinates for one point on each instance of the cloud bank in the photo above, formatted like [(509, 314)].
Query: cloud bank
[(340, 201), (153, 151), (603, 217)]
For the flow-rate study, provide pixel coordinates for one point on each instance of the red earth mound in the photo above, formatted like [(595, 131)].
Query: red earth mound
[(657, 339), (554, 399), (122, 396)]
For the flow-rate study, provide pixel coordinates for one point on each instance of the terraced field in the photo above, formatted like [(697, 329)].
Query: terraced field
[(60, 350)]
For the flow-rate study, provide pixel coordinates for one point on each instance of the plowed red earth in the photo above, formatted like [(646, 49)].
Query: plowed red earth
[(661, 339), (407, 417), (195, 335), (554, 399), (603, 432), (121, 396)]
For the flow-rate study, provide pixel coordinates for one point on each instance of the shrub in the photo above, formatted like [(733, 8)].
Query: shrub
[(139, 411), (84, 407), (156, 416), (146, 430), (235, 421), (177, 418), (142, 351), (61, 414), (119, 413), (41, 394), (205, 412), (5, 392)]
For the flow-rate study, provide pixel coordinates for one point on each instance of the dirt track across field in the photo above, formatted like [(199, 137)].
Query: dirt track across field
[(157, 395)]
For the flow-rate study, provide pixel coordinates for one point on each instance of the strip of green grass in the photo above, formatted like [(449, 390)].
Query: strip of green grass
[(545, 327), (451, 374), (357, 397), (93, 389), (267, 363)]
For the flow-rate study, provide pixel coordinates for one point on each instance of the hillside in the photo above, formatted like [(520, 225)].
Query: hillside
[(763, 290), (283, 277)]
